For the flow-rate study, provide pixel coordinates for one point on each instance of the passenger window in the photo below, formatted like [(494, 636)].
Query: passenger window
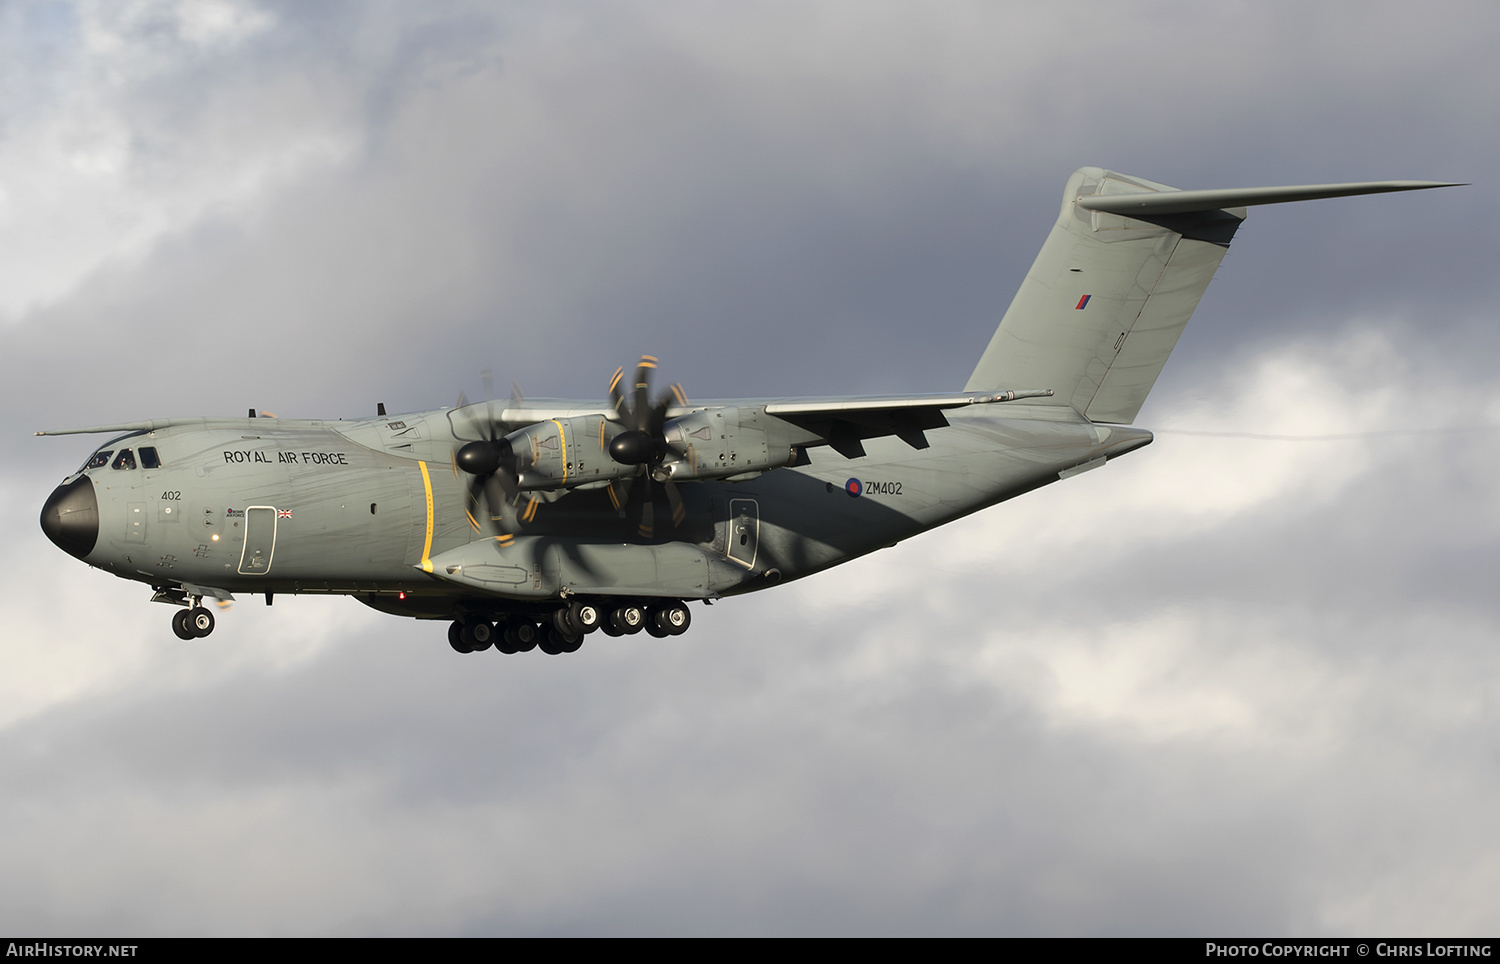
[(125, 460), (100, 459), (148, 458)]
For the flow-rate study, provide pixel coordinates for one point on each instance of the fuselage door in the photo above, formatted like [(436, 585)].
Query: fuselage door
[(260, 540), (744, 531)]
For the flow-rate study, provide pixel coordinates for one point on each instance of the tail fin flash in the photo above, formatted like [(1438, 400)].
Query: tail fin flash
[(1116, 282)]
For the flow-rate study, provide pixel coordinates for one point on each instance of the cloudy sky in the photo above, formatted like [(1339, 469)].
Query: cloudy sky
[(1229, 685)]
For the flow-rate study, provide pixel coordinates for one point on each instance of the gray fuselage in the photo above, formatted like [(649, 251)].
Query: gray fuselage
[(374, 508)]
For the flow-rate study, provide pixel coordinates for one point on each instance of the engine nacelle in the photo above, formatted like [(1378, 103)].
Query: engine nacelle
[(565, 453), (722, 443)]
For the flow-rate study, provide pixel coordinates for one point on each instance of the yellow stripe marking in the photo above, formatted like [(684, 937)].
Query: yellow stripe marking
[(427, 544), (563, 434)]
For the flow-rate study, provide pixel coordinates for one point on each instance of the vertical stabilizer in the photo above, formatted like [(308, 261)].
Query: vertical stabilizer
[(1106, 300), (1116, 282)]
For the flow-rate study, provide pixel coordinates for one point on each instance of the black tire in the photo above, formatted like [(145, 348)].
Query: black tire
[(478, 635), (675, 618), (180, 625), (200, 621), (655, 625), (562, 621), (585, 616), (629, 619), (527, 635), (610, 629), (550, 641), (506, 640), (456, 637)]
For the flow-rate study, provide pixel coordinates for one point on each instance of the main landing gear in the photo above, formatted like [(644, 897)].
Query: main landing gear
[(563, 630)]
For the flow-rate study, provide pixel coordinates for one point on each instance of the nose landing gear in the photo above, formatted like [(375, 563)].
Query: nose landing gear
[(192, 623)]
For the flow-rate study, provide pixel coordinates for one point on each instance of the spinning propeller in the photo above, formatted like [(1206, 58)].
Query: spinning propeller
[(644, 443), (492, 469)]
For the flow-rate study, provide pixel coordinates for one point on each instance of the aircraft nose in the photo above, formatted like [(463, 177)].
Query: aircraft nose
[(70, 517)]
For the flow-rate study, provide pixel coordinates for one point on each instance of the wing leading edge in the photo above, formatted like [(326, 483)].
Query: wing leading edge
[(1116, 282)]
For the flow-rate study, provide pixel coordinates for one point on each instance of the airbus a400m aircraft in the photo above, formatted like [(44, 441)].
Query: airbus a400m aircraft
[(535, 523)]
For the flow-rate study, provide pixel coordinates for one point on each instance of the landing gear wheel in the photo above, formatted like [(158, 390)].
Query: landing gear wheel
[(585, 616), (456, 637), (555, 642), (654, 625), (610, 629), (628, 619), (674, 618), (180, 625), (505, 639), (527, 635), (562, 621), (200, 621), (477, 634)]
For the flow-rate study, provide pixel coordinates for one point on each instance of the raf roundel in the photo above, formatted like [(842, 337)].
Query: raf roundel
[(853, 488)]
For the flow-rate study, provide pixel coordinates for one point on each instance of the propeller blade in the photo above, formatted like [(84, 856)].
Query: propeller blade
[(659, 415), (501, 511), (619, 493), (616, 396), (642, 392), (471, 509)]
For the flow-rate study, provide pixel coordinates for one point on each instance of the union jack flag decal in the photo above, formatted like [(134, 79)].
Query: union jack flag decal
[(283, 513)]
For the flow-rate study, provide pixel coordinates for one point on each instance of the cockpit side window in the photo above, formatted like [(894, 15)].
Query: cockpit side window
[(125, 460), (148, 458), (100, 459)]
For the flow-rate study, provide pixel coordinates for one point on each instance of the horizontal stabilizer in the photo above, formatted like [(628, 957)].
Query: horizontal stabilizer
[(1190, 202)]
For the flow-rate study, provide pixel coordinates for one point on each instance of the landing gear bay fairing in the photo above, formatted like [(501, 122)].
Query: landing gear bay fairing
[(532, 524)]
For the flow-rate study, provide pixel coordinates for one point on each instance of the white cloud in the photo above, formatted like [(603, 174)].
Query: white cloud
[(126, 139)]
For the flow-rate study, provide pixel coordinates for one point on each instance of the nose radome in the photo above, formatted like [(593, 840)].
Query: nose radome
[(70, 517)]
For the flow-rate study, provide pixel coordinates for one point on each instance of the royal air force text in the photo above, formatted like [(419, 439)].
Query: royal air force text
[(301, 458)]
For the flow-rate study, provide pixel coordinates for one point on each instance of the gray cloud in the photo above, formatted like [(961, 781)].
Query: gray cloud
[(1225, 685)]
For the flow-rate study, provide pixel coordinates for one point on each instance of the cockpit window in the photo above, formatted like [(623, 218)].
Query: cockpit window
[(100, 459), (148, 458), (125, 460)]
